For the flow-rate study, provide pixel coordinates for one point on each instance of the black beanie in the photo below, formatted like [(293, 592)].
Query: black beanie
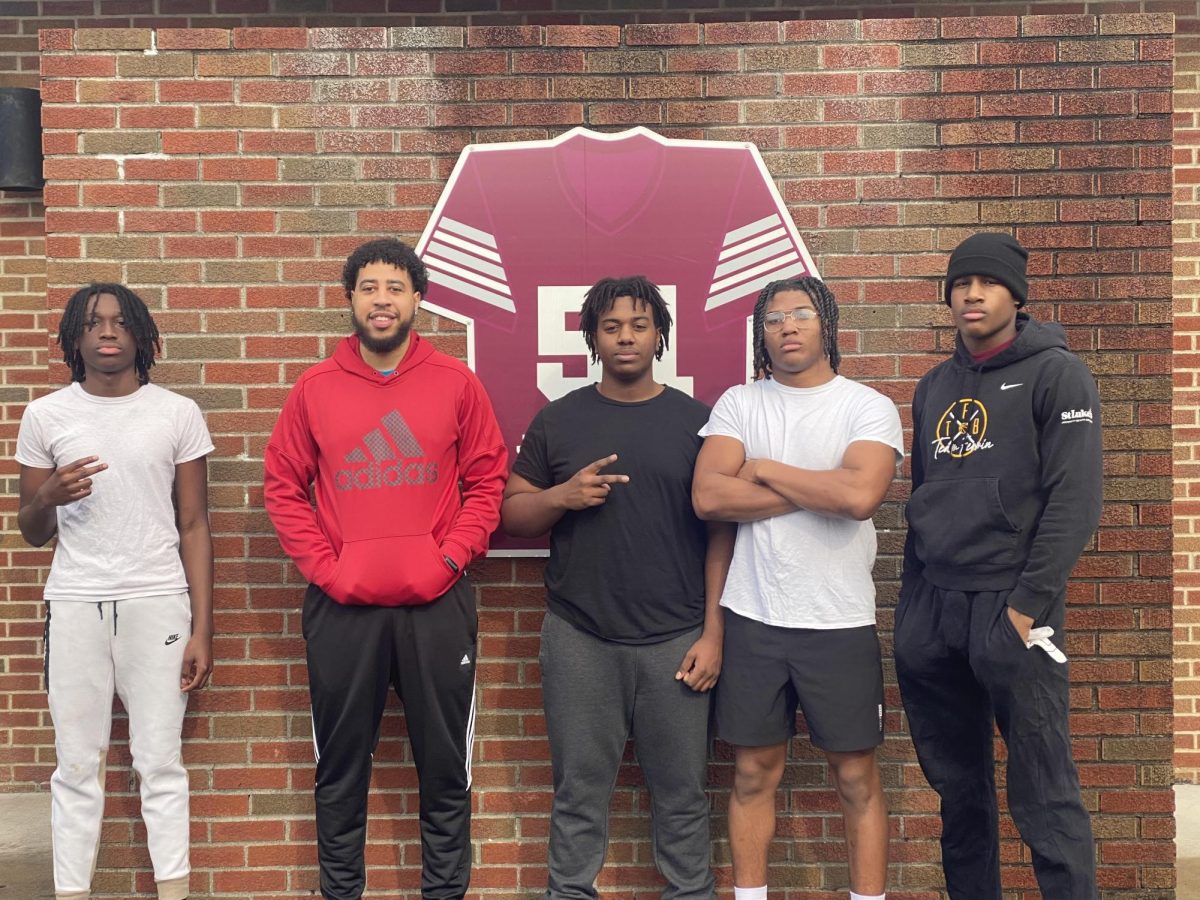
[(996, 255)]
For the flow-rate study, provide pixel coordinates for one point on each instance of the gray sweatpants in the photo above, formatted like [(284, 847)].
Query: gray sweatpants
[(597, 694)]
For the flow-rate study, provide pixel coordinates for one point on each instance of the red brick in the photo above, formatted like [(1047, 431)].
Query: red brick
[(857, 56), (56, 39), (817, 30), (681, 34), (555, 62), (547, 114), (1135, 76), (480, 62), (583, 36), (85, 118), (158, 116), (74, 221), (123, 195), (820, 84), (82, 66), (741, 33), (1058, 25), (504, 36)]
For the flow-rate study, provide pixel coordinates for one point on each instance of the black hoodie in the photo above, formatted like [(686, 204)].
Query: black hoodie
[(1006, 470)]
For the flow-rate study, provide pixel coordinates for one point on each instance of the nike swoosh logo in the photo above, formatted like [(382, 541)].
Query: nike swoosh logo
[(172, 639), (1008, 387)]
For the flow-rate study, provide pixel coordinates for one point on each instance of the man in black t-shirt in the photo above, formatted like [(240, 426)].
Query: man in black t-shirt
[(631, 642)]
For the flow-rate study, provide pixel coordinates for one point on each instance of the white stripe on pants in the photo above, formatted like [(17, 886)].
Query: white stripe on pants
[(134, 646)]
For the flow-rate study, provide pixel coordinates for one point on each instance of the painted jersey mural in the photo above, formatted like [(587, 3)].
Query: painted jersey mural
[(523, 229)]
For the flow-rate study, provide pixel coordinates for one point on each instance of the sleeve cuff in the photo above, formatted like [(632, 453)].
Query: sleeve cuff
[(1028, 603), (455, 551)]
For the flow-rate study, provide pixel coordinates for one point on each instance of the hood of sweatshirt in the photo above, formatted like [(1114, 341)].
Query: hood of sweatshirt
[(348, 358)]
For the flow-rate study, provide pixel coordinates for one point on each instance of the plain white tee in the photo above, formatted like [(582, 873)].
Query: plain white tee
[(120, 541), (804, 569)]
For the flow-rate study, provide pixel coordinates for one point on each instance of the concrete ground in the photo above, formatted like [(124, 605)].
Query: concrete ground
[(25, 865), (25, 845)]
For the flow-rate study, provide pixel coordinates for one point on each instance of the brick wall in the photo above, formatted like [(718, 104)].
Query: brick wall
[(21, 19), (1057, 125), (25, 738)]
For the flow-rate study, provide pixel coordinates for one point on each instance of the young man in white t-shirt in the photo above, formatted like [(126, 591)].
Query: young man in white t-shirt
[(801, 458), (129, 596)]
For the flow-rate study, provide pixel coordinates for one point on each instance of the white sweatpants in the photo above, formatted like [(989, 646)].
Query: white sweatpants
[(134, 646)]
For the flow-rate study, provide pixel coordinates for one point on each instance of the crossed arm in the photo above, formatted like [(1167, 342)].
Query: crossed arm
[(728, 487)]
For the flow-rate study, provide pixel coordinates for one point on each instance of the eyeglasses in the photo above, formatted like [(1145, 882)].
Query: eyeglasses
[(773, 321)]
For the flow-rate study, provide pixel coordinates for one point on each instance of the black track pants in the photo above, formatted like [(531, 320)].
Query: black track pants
[(427, 653), (960, 662)]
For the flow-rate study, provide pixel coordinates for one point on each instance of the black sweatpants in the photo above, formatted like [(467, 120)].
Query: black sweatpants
[(427, 653), (960, 662)]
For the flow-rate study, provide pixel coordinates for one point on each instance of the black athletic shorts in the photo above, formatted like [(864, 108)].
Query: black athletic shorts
[(835, 677)]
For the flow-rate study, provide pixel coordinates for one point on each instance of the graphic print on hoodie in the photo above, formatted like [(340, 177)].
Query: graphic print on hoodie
[(386, 456), (1006, 470)]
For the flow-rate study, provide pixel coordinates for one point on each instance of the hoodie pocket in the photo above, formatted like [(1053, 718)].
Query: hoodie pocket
[(960, 523), (400, 570)]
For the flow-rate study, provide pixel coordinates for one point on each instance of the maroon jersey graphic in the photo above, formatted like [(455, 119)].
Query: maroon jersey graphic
[(523, 229)]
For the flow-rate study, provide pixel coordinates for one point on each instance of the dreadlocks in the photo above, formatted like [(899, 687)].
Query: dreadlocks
[(138, 322), (827, 311), (604, 293)]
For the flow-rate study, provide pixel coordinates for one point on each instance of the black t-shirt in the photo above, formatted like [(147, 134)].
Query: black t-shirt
[(632, 569)]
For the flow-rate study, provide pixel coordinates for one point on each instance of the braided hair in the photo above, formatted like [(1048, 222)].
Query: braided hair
[(138, 323), (827, 312), (604, 293)]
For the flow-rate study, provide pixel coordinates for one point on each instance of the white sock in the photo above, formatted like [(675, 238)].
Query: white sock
[(854, 896), (758, 893)]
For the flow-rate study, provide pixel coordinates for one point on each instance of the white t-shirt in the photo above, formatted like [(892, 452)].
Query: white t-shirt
[(804, 569), (120, 541)]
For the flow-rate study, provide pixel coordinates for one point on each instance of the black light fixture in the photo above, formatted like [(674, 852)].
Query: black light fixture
[(21, 140)]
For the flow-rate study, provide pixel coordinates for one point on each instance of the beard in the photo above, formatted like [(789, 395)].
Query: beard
[(379, 345)]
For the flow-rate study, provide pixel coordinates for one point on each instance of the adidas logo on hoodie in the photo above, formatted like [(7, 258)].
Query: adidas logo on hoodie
[(396, 464)]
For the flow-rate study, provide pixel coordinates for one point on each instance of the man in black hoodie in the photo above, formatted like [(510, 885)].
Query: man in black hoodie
[(1006, 493)]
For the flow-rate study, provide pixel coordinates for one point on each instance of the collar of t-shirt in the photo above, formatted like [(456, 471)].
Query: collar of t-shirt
[(988, 354)]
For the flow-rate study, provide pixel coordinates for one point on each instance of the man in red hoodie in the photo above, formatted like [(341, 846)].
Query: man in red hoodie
[(385, 432)]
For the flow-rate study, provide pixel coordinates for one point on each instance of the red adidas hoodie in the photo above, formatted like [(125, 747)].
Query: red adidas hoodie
[(386, 455)]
